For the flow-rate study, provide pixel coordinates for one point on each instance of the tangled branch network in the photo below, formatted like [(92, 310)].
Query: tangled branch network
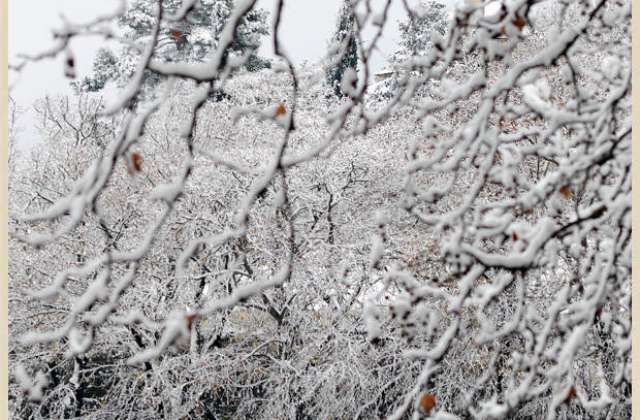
[(451, 241)]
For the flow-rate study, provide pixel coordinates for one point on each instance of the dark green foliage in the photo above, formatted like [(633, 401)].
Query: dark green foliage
[(188, 40), (415, 33), (105, 64), (344, 42)]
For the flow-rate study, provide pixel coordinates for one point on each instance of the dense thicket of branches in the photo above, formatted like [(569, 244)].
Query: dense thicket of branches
[(452, 242)]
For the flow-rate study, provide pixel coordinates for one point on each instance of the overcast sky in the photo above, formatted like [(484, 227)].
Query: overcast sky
[(307, 25)]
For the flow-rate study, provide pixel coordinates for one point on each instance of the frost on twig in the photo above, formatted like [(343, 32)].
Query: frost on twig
[(449, 238)]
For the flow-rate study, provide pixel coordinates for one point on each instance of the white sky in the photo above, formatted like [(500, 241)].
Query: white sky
[(306, 28)]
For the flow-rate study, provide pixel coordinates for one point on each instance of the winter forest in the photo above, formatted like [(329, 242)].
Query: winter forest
[(205, 232)]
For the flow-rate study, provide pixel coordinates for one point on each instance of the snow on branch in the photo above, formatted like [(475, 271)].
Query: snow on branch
[(447, 238)]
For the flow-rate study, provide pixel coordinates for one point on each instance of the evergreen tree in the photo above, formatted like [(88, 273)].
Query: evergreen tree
[(415, 33), (345, 47), (104, 65), (188, 40)]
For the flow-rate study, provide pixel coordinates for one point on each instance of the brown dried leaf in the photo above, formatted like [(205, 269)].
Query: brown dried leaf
[(190, 318), (566, 192), (571, 394), (133, 163), (519, 22), (427, 403), (136, 161), (280, 110)]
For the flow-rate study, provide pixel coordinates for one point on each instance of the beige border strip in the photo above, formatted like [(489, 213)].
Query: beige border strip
[(4, 331)]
